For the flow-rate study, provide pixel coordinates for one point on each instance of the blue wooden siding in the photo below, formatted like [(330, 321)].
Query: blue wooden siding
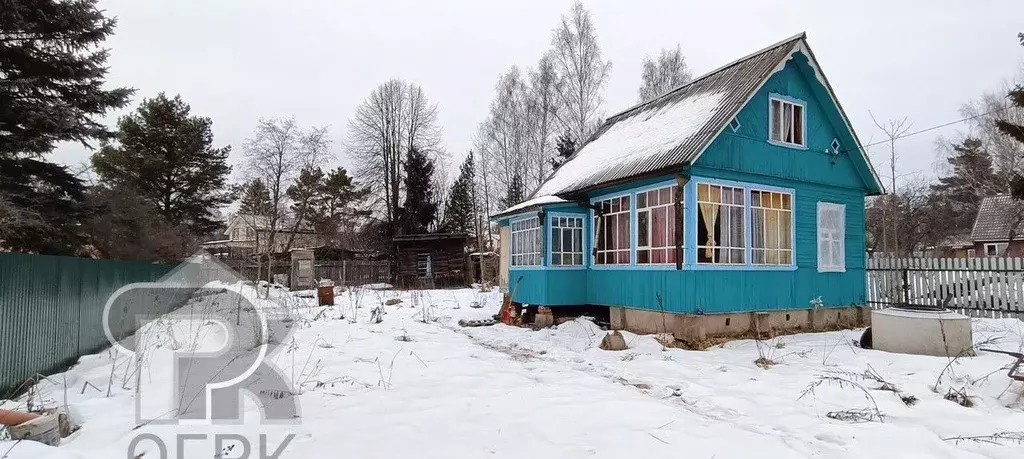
[(812, 174), (748, 150)]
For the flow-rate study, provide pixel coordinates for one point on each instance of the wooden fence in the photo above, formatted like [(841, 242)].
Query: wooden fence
[(979, 287), (353, 272)]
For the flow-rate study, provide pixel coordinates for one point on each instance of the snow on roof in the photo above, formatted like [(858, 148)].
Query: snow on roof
[(674, 128), (629, 143), (530, 203)]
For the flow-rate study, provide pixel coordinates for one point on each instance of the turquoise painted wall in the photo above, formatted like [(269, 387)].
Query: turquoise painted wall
[(814, 174)]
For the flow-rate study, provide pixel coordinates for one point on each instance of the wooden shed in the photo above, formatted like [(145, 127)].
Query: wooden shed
[(436, 260)]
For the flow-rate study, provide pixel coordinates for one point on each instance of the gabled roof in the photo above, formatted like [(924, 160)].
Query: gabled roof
[(675, 128), (997, 216)]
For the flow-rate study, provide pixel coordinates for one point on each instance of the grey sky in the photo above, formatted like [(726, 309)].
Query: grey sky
[(238, 60)]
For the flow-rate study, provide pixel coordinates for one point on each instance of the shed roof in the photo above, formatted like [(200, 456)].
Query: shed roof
[(675, 128), (997, 216), (430, 237)]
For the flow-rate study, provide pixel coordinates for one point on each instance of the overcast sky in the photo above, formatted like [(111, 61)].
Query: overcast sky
[(238, 60)]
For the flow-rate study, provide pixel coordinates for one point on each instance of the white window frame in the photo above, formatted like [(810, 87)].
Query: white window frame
[(717, 247), (574, 225), (424, 265), (600, 219), (525, 242), (791, 131), (831, 237), (783, 241), (670, 229), (997, 246)]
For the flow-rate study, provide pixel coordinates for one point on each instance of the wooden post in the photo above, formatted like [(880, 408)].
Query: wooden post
[(680, 184)]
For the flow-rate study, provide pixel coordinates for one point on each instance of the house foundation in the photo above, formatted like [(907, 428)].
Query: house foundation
[(692, 328)]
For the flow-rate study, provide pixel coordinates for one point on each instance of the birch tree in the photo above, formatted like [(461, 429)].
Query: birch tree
[(663, 74), (278, 150), (542, 111), (581, 70), (395, 117)]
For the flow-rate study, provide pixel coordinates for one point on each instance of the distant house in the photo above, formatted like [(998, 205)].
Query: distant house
[(243, 231), (999, 228), (436, 260), (956, 246), (728, 205)]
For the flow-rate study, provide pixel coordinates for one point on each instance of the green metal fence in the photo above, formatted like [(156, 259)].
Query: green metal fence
[(51, 310)]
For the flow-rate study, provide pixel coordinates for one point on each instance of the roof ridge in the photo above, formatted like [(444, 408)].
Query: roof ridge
[(799, 36)]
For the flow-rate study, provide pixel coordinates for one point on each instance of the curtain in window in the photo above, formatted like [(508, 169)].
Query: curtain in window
[(787, 123), (709, 210), (771, 229)]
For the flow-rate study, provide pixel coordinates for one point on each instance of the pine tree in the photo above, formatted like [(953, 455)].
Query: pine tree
[(514, 194), (458, 217), (338, 210), (255, 199), (419, 209), (566, 146), (166, 154), (1016, 131), (972, 179), (304, 193), (52, 71)]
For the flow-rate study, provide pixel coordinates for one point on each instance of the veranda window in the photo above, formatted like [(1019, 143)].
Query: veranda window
[(566, 241), (720, 224), (656, 227), (771, 228), (787, 119), (611, 232), (526, 242)]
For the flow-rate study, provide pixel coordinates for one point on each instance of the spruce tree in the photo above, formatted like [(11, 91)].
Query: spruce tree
[(167, 154), (566, 146), (459, 213), (419, 209), (972, 179), (514, 194), (52, 70)]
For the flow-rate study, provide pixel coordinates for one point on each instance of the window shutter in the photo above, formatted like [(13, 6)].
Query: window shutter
[(831, 237)]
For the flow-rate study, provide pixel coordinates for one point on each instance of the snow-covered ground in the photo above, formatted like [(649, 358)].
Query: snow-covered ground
[(409, 388)]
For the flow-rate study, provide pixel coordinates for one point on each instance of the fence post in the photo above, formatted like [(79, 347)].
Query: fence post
[(906, 285)]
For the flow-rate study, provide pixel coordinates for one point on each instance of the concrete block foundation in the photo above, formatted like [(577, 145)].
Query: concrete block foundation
[(691, 328)]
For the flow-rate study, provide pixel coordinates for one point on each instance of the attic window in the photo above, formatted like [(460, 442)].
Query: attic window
[(835, 145), (734, 125), (787, 122)]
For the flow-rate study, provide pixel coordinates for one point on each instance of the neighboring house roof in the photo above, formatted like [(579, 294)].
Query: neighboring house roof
[(675, 128), (262, 223), (430, 237), (957, 241), (997, 216)]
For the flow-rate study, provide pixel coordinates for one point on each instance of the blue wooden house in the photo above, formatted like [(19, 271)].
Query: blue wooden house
[(734, 203)]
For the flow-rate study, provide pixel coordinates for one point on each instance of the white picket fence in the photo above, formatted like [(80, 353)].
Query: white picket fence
[(980, 287)]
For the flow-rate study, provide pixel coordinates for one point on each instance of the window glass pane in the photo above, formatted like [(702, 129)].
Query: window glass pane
[(776, 116), (643, 229)]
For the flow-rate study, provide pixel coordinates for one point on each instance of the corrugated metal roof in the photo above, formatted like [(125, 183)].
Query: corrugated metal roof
[(733, 84), (997, 216)]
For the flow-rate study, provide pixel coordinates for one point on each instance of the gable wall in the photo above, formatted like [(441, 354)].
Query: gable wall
[(749, 151)]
